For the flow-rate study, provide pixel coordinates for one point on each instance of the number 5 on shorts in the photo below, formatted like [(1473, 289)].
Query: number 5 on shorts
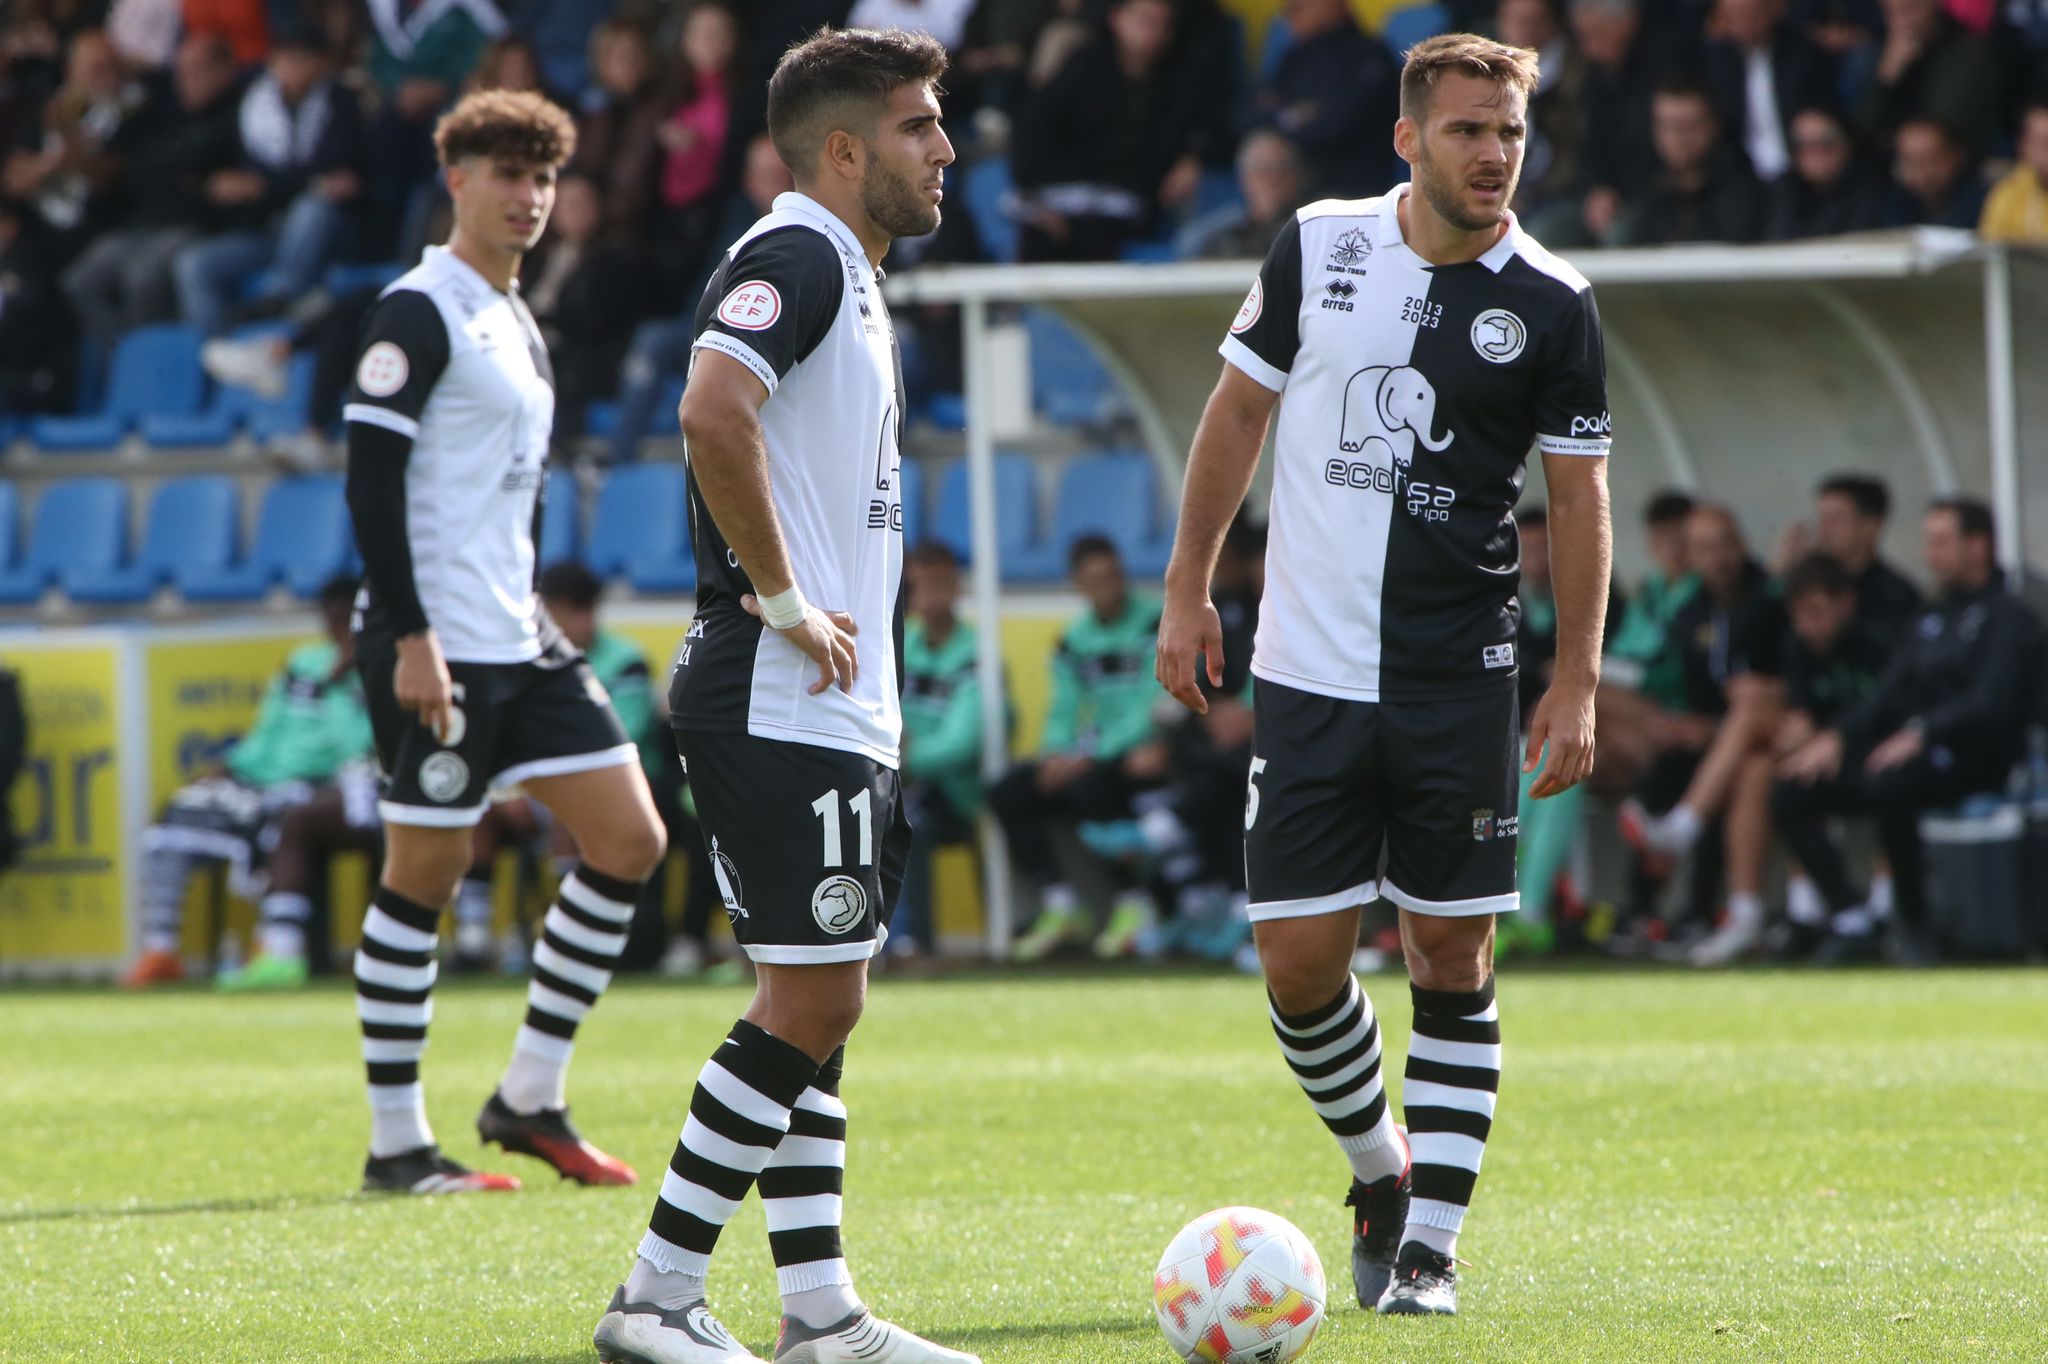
[(1251, 794)]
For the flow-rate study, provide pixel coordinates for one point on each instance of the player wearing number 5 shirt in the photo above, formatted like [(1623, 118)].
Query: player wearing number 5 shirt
[(1416, 346)]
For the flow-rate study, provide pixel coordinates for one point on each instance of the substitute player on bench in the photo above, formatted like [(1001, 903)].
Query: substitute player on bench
[(1416, 345), (785, 710), (471, 688)]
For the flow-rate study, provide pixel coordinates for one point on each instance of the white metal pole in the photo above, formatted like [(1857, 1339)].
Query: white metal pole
[(2003, 398), (987, 580)]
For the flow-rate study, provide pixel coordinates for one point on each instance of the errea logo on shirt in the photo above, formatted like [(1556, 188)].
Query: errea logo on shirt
[(752, 307)]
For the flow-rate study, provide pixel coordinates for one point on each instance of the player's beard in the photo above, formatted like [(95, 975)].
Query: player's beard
[(1443, 195), (894, 203)]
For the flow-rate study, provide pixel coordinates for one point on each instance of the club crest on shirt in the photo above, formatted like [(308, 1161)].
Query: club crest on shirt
[(752, 307), (443, 777), (1352, 250), (1498, 335), (838, 904)]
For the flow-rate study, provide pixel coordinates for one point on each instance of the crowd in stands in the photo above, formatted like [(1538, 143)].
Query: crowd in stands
[(210, 160)]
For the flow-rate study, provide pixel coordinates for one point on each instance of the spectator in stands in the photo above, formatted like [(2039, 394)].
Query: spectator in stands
[(1549, 163), (1931, 68), (38, 336), (1830, 190), (1946, 722), (507, 63), (311, 724), (288, 205), (419, 57), (560, 33), (1703, 190), (1100, 750), (244, 25), (1832, 663), (1270, 176), (2017, 209), (1933, 180), (1611, 81), (988, 69), (570, 593), (1108, 142), (945, 20), (145, 32), (70, 171), (169, 158), (586, 291), (703, 117), (941, 733), (660, 349), (1850, 511), (1729, 641), (1335, 91), (1761, 69), (616, 139)]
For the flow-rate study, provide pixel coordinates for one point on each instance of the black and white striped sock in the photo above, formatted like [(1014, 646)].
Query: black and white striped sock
[(394, 972), (581, 940), (1334, 1052), (802, 1189), (1448, 1096), (739, 1115)]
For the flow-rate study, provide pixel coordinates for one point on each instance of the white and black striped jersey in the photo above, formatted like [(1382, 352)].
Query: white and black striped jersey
[(457, 366), (796, 302), (1412, 394)]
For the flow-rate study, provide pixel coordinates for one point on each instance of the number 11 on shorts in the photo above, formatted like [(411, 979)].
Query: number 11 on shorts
[(827, 809)]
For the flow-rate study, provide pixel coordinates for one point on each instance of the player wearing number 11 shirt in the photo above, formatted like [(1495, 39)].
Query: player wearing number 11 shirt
[(785, 693), (1417, 345)]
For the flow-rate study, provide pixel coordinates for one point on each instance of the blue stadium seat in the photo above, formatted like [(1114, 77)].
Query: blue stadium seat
[(79, 524), (1410, 26), (910, 485), (192, 525), (558, 519), (1110, 494), (303, 537), (1068, 382), (352, 276), (987, 186), (601, 418), (1016, 510), (948, 411), (642, 522), (290, 412), (663, 576), (155, 372), (10, 525)]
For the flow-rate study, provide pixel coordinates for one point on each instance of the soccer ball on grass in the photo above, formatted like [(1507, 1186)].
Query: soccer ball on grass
[(1239, 1286)]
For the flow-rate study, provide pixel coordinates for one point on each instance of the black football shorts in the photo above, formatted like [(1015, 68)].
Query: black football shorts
[(1351, 801)]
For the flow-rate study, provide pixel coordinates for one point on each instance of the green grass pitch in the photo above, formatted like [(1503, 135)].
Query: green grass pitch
[(1746, 1167)]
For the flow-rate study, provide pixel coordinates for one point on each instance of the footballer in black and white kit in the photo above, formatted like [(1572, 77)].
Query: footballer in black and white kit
[(1417, 345), (471, 689), (785, 695)]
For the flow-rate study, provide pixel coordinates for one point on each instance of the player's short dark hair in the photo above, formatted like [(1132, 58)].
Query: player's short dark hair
[(338, 591), (1532, 516), (838, 79), (932, 554), (506, 125), (1669, 507), (1686, 85), (1973, 515), (1091, 546), (1465, 54), (571, 582), (1871, 495), (1817, 572)]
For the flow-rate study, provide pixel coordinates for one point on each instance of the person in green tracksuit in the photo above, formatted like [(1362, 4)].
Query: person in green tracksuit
[(311, 725), (1101, 750), (941, 732)]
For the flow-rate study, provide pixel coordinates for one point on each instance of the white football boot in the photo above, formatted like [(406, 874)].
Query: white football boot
[(642, 1333), (862, 1338)]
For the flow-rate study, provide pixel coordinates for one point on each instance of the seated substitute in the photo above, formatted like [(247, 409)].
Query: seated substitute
[(311, 725), (1100, 750), (1947, 721)]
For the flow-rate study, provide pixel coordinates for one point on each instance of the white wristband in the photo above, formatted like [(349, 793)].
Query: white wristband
[(784, 609)]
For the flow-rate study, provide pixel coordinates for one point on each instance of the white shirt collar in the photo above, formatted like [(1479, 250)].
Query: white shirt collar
[(849, 243), (1497, 256), (450, 261)]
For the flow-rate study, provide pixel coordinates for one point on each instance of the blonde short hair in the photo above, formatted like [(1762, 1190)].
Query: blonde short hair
[(1466, 54)]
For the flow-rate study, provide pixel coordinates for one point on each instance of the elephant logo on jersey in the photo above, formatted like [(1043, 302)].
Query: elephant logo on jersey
[(1498, 335), (1387, 411), (838, 904), (727, 876)]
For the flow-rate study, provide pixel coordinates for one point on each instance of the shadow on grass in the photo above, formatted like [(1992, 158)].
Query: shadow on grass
[(198, 1206), (963, 1338)]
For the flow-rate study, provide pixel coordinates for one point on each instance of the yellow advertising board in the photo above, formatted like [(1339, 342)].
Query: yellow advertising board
[(64, 904), (202, 694)]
